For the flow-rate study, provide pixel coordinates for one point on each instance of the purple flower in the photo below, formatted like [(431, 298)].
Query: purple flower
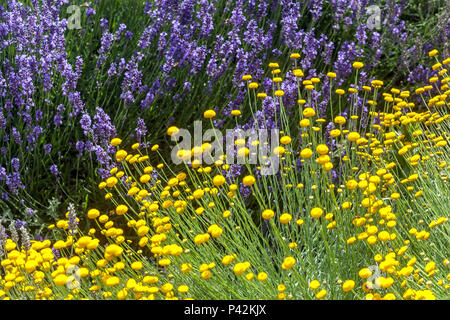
[(90, 12), (102, 128), (48, 148), (56, 253), (15, 163), (19, 224), (128, 34), (141, 129), (80, 147), (57, 120), (361, 34), (86, 122), (244, 190), (16, 136), (30, 211), (38, 237), (2, 173), (54, 169), (2, 121), (72, 216)]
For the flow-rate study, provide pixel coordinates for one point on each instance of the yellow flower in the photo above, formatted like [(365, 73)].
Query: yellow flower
[(30, 266), (115, 142), (322, 149), (93, 214), (281, 287), (201, 238), (121, 209), (358, 65), (262, 276), (285, 218), (316, 212), (377, 83), (384, 236), (143, 230), (348, 285), (122, 294), (321, 294), (135, 146), (137, 265), (145, 178), (218, 180), (279, 150), (60, 280), (346, 205), (298, 73), (243, 151), (430, 266), (253, 85), (314, 284), (340, 120), (353, 136), (309, 112), (260, 95), (226, 260), (372, 240), (241, 267), (285, 140), (248, 180), (183, 289), (365, 273), (335, 133), (306, 153), (268, 214), (111, 182), (208, 114), (304, 123), (102, 185), (113, 250), (433, 52), (172, 131), (167, 287), (288, 263), (331, 75), (197, 194)]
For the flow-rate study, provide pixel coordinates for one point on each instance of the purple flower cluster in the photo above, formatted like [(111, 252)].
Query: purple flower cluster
[(98, 132), (36, 64), (182, 35)]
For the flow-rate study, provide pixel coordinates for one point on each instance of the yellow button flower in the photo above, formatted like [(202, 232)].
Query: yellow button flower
[(268, 214), (348, 285)]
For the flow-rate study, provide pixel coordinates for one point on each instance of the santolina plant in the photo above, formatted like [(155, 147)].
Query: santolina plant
[(379, 230)]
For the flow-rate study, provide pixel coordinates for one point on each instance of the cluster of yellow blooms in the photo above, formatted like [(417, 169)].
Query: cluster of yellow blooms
[(187, 232)]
